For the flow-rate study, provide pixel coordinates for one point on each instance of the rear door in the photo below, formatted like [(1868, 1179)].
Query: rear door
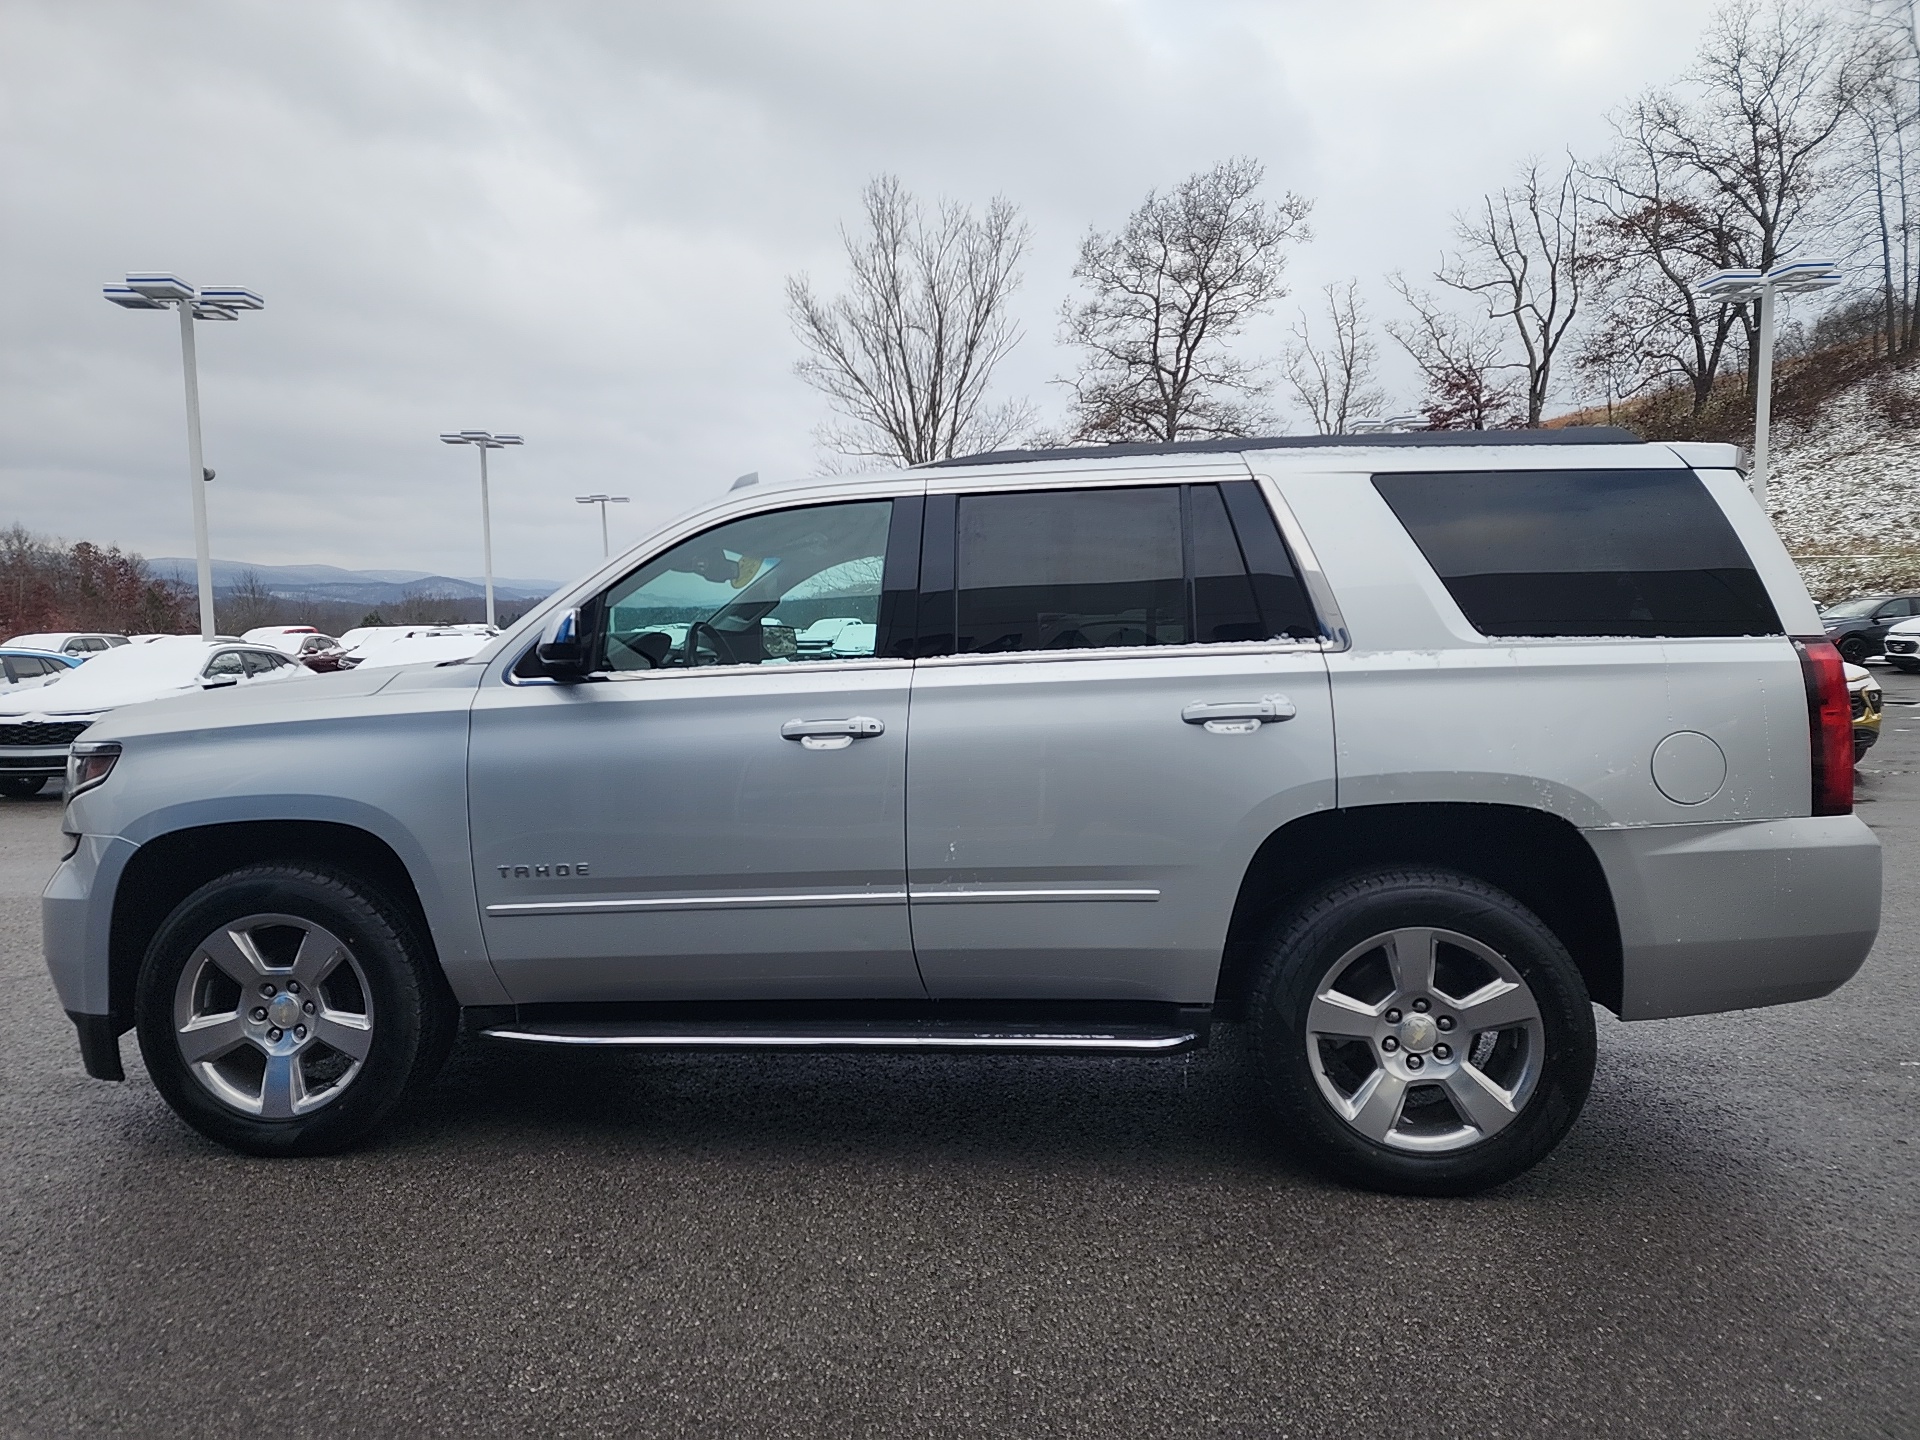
[(1121, 695)]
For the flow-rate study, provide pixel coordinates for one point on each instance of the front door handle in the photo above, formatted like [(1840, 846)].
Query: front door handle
[(1239, 717), (832, 734)]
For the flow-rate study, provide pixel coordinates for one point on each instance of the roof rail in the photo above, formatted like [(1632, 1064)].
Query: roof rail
[(1567, 435)]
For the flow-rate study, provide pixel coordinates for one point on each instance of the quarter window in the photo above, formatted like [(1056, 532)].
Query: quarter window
[(1583, 552)]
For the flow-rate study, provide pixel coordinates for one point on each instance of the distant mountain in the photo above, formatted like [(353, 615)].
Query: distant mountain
[(357, 587)]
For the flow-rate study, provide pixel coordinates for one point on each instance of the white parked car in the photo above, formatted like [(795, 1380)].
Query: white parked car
[(37, 726), (379, 646), (78, 643), (819, 637), (1902, 646)]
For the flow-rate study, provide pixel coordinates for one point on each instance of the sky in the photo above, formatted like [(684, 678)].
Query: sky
[(575, 221)]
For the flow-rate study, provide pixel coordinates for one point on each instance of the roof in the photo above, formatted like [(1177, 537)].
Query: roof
[(1422, 439)]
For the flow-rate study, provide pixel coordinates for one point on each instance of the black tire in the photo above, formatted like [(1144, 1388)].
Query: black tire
[(1316, 944), (1854, 650), (1905, 667), (22, 787), (409, 1012)]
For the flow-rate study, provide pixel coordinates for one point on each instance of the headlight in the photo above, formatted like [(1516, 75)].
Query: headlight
[(90, 762)]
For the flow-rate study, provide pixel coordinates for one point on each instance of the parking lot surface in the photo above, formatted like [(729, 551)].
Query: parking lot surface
[(793, 1245)]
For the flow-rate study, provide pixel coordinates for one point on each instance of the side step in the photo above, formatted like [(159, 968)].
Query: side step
[(1141, 1039)]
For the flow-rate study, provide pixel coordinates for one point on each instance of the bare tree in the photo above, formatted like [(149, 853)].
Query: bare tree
[(1878, 169), (906, 357), (1170, 291), (1773, 85), (1334, 380), (1523, 256), (1654, 233), (1470, 385)]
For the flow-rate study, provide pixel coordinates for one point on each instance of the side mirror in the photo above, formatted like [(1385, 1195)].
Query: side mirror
[(219, 682), (565, 650)]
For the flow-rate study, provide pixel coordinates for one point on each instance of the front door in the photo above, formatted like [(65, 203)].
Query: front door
[(717, 815), (1132, 699)]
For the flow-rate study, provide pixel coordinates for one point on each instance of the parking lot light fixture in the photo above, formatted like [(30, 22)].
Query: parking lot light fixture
[(154, 291), (1741, 287), (483, 441), (602, 501)]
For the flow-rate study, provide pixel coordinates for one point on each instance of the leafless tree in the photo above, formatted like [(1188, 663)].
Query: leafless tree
[(1653, 234), (1334, 379), (1470, 383), (1878, 171), (1771, 87), (1169, 292), (1523, 256), (906, 357)]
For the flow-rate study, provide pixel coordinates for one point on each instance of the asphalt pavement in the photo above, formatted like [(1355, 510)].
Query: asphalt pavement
[(792, 1245)]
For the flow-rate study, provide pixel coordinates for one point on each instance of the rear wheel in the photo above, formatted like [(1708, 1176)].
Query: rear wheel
[(1423, 1032), (287, 1011), (22, 787)]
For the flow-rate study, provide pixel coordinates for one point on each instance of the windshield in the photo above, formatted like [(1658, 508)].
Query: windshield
[(1853, 609)]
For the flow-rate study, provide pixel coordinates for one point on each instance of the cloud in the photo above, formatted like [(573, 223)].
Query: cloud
[(574, 220)]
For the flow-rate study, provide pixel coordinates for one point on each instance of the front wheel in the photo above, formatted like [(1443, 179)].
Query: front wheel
[(286, 1011), (1422, 1032), (1854, 650)]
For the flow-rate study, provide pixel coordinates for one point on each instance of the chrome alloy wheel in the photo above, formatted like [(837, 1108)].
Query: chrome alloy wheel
[(1425, 1040), (273, 1016)]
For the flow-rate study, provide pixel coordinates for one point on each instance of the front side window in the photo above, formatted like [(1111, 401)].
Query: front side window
[(1548, 553), (784, 588), (227, 662), (1121, 567)]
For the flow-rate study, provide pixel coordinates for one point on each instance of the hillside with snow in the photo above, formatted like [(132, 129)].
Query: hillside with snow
[(1845, 489)]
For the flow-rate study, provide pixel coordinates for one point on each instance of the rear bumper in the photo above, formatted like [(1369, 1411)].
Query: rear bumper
[(1732, 916)]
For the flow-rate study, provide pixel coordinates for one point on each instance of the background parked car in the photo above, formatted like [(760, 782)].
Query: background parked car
[(378, 646), (1864, 696), (311, 647), (39, 725), (1859, 627), (78, 643), (22, 669)]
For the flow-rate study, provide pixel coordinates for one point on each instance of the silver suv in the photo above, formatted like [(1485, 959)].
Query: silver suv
[(1404, 752)]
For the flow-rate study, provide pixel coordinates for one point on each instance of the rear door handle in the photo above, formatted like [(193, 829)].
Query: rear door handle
[(832, 734), (1239, 717)]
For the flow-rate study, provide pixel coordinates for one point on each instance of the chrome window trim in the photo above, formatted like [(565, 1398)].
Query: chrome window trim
[(1130, 652), (1319, 592)]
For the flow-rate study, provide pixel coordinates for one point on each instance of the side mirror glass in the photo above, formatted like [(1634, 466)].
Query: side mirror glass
[(565, 650)]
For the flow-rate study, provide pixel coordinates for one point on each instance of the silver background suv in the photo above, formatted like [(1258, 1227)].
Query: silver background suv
[(1402, 752)]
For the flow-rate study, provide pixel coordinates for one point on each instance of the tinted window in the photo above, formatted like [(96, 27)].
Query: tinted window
[(1583, 552), (781, 588), (227, 662), (1223, 604), (1070, 569)]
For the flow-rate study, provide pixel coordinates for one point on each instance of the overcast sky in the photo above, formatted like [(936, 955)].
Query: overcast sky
[(574, 221)]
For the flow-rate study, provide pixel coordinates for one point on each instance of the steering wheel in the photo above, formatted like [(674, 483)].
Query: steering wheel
[(722, 652)]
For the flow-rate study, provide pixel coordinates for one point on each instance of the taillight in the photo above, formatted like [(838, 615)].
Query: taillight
[(1829, 724)]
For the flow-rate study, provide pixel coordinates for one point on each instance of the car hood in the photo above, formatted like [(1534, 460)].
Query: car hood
[(318, 696)]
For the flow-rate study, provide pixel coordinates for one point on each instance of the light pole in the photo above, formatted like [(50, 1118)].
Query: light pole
[(170, 292), (602, 501), (484, 442), (1737, 287)]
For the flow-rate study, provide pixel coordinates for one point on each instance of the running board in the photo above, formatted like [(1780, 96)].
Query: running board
[(857, 1035)]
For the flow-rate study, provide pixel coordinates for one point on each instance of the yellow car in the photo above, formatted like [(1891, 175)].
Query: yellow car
[(1864, 692)]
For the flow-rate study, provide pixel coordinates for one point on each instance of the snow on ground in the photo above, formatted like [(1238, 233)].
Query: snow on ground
[(1845, 491)]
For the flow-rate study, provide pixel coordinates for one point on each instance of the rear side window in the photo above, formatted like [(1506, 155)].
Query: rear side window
[(1583, 552), (1100, 568)]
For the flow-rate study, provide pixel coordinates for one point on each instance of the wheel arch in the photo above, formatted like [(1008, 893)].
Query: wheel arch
[(1538, 858), (170, 867)]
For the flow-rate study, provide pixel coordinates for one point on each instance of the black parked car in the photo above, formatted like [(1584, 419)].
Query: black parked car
[(1859, 626)]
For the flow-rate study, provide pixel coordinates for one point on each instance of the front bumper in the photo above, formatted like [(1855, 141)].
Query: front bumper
[(76, 913), (1736, 915), (1905, 646), (33, 760)]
